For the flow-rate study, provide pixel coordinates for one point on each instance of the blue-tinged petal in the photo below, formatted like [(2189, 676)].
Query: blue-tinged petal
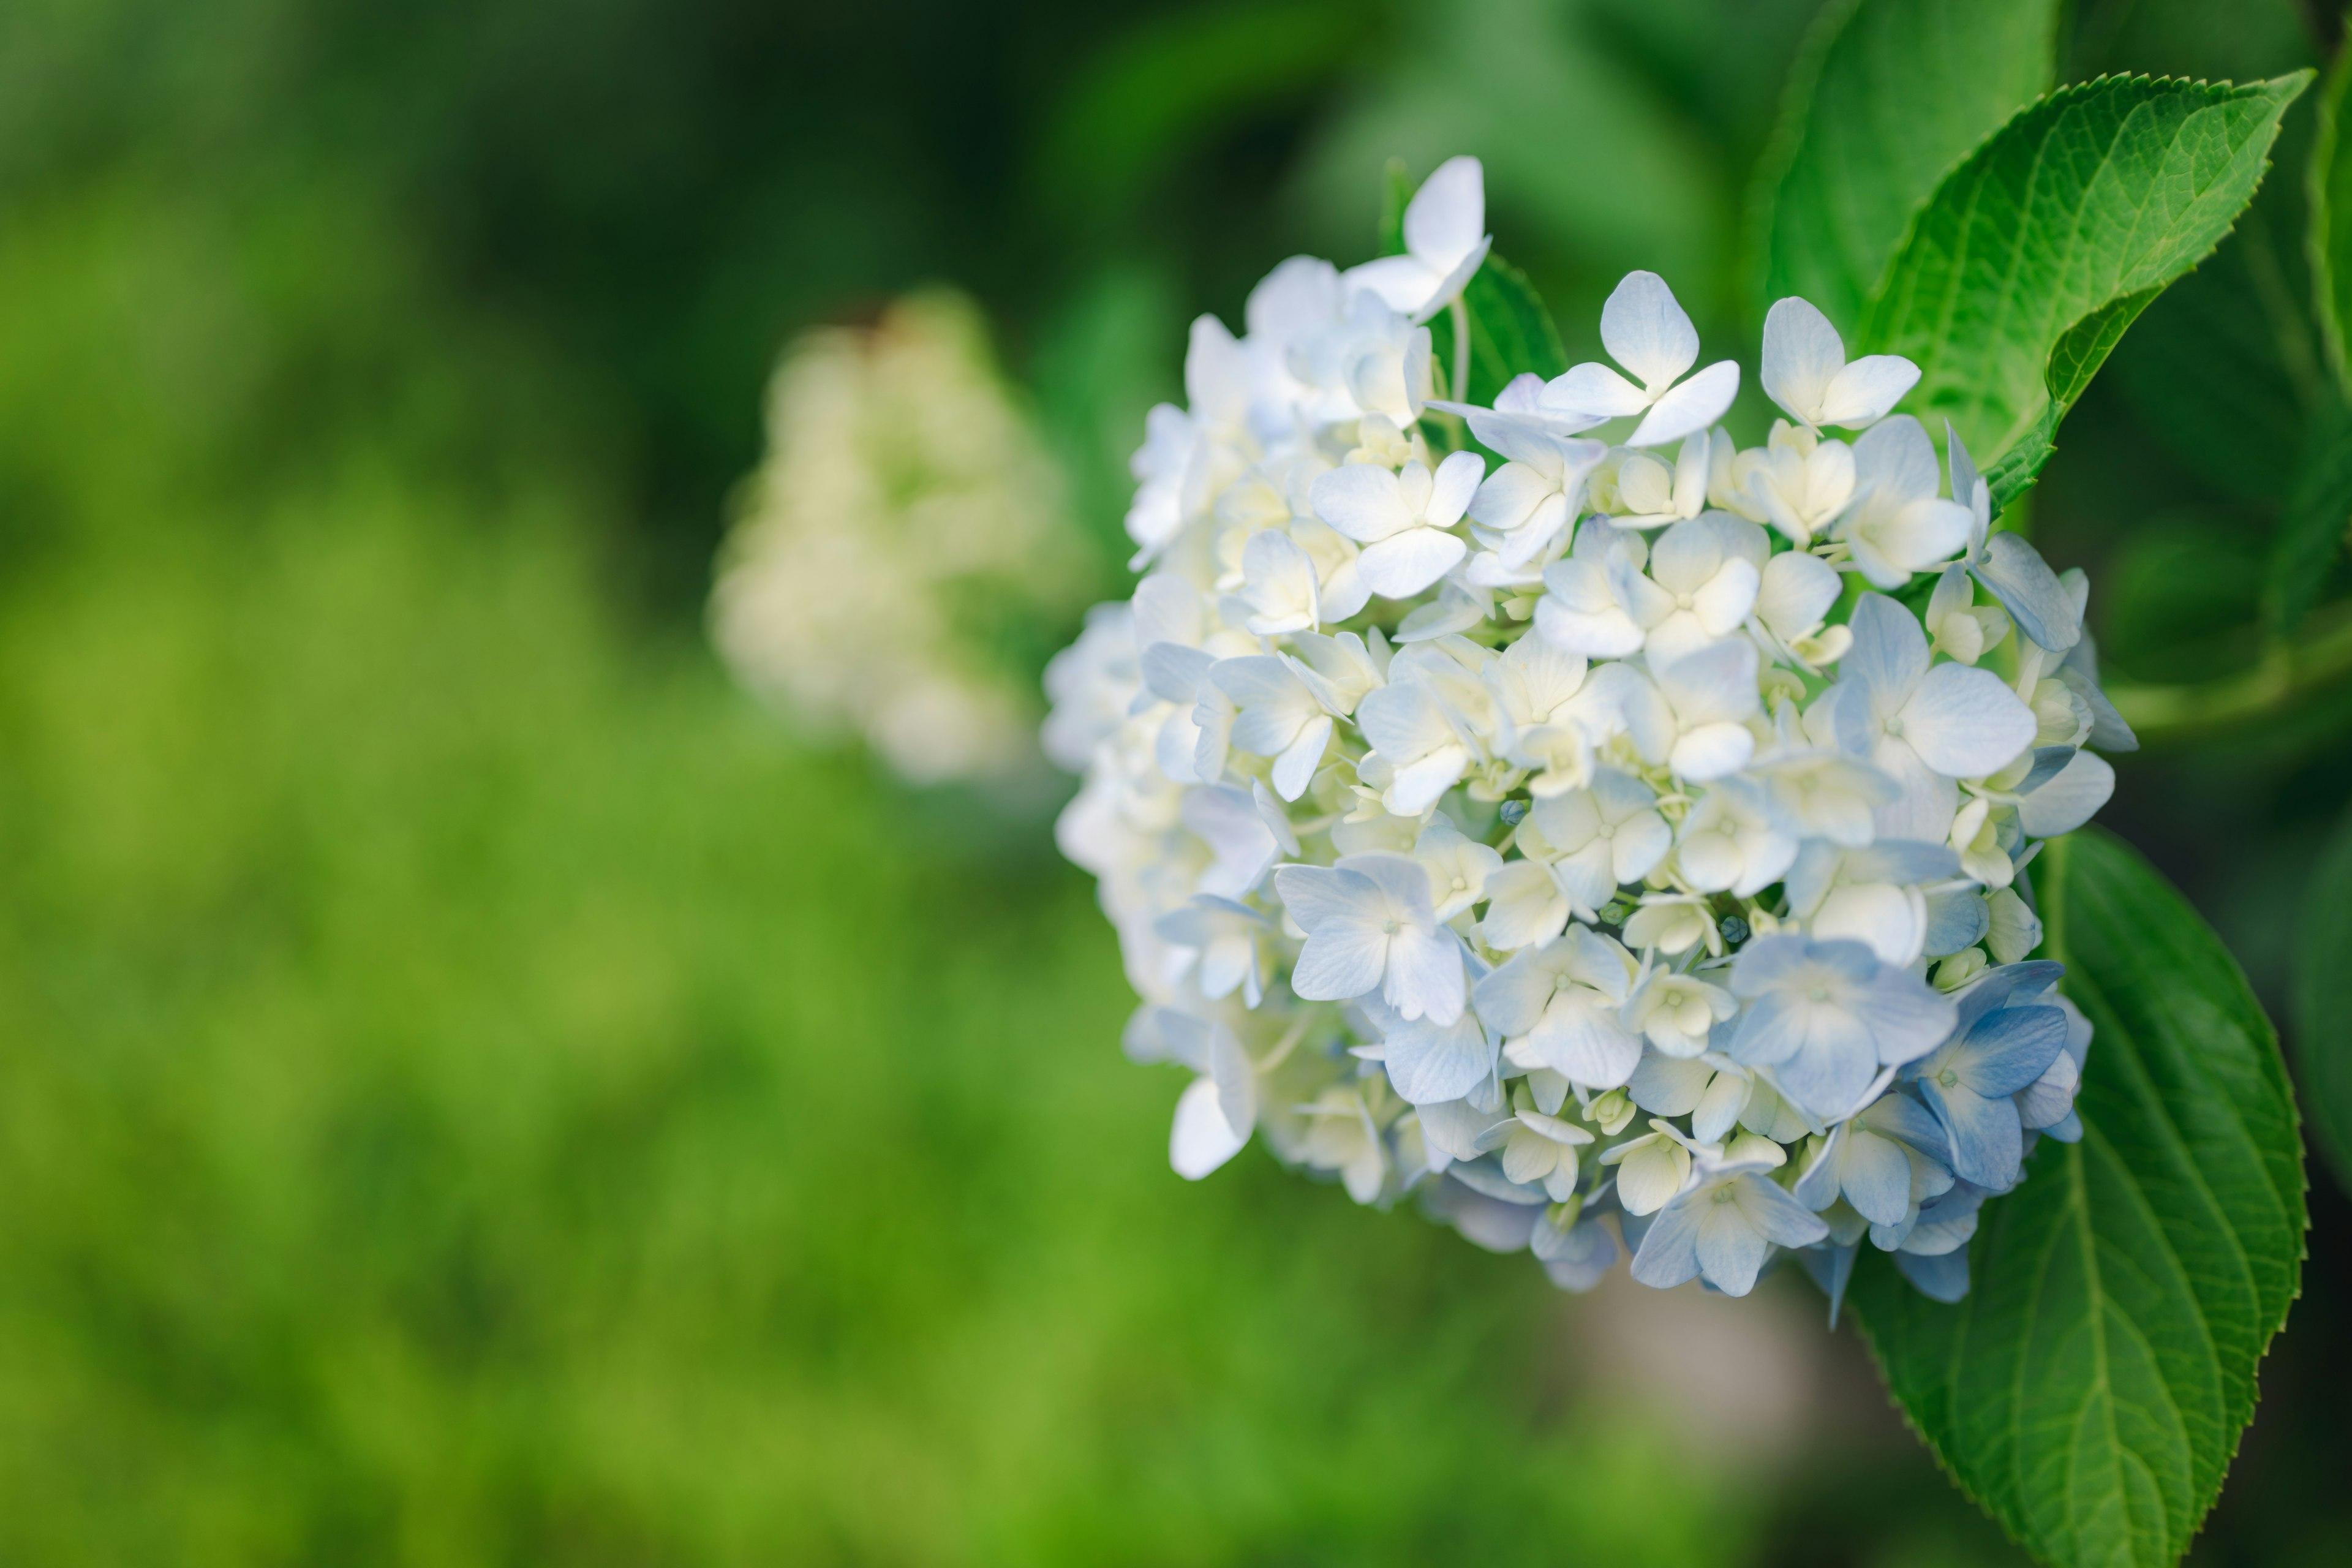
[(1484, 1174), (2029, 591), (1995, 987), (1901, 1117), (2069, 798), (1430, 1062), (1578, 1258), (1817, 1189), (1908, 1017), (1730, 1251), (1876, 1177), (1772, 1032), (2009, 1049), (1987, 1143), (1889, 655), (1944, 1278), (1485, 1222), (1956, 919), (1774, 1214), (1831, 1266), (1667, 1252), (1832, 1067)]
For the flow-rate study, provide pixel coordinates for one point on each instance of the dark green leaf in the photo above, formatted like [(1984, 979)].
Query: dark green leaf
[(1885, 98), (2225, 367), (2329, 246), (2034, 255), (2312, 529), (1510, 331), (2091, 1389), (2322, 1024)]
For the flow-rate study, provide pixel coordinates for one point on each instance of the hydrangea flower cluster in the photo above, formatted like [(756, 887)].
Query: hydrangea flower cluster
[(1631, 831), (902, 472)]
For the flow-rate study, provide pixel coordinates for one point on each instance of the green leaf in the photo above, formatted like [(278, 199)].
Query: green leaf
[(2090, 1390), (2311, 530), (1511, 332), (2328, 245), (2323, 1025), (2034, 255), (1886, 97)]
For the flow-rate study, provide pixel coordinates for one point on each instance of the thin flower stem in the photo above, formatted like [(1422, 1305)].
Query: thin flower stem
[(1460, 315)]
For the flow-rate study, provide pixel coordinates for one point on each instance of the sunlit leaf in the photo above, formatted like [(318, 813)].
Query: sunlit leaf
[(2090, 1390), (2036, 255), (1885, 98), (2322, 1024)]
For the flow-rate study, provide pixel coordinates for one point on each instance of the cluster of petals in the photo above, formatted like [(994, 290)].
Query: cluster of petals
[(1614, 840)]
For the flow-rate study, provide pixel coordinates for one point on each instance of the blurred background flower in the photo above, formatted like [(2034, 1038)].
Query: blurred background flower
[(474, 1087), (906, 529)]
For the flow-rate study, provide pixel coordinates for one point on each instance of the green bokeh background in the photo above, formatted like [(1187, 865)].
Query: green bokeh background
[(473, 1088)]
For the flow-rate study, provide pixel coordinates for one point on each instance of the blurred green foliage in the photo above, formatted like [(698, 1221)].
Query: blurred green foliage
[(472, 1091)]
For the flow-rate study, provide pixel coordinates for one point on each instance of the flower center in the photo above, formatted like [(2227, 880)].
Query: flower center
[(1723, 1194), (1819, 993), (1895, 725), (1948, 1079)]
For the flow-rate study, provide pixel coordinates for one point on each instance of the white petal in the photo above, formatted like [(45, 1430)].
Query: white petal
[(1867, 390), (1424, 976), (1650, 1175), (1895, 458), (1729, 1251), (1729, 595), (1404, 722), (2067, 801), (1691, 406), (1406, 563), (1712, 750), (1802, 355), (1965, 723), (1455, 482), (1795, 590), (1447, 216), (1639, 842), (1592, 392), (1403, 282), (1236, 1080), (1647, 332), (1201, 1140), (1890, 922), (1340, 963), (1360, 500), (1318, 895), (1294, 770), (1715, 684), (1888, 656)]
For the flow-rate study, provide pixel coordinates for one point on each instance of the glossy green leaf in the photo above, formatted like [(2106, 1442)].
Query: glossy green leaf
[(2323, 1026), (1886, 97), (2091, 1389), (2032, 258)]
